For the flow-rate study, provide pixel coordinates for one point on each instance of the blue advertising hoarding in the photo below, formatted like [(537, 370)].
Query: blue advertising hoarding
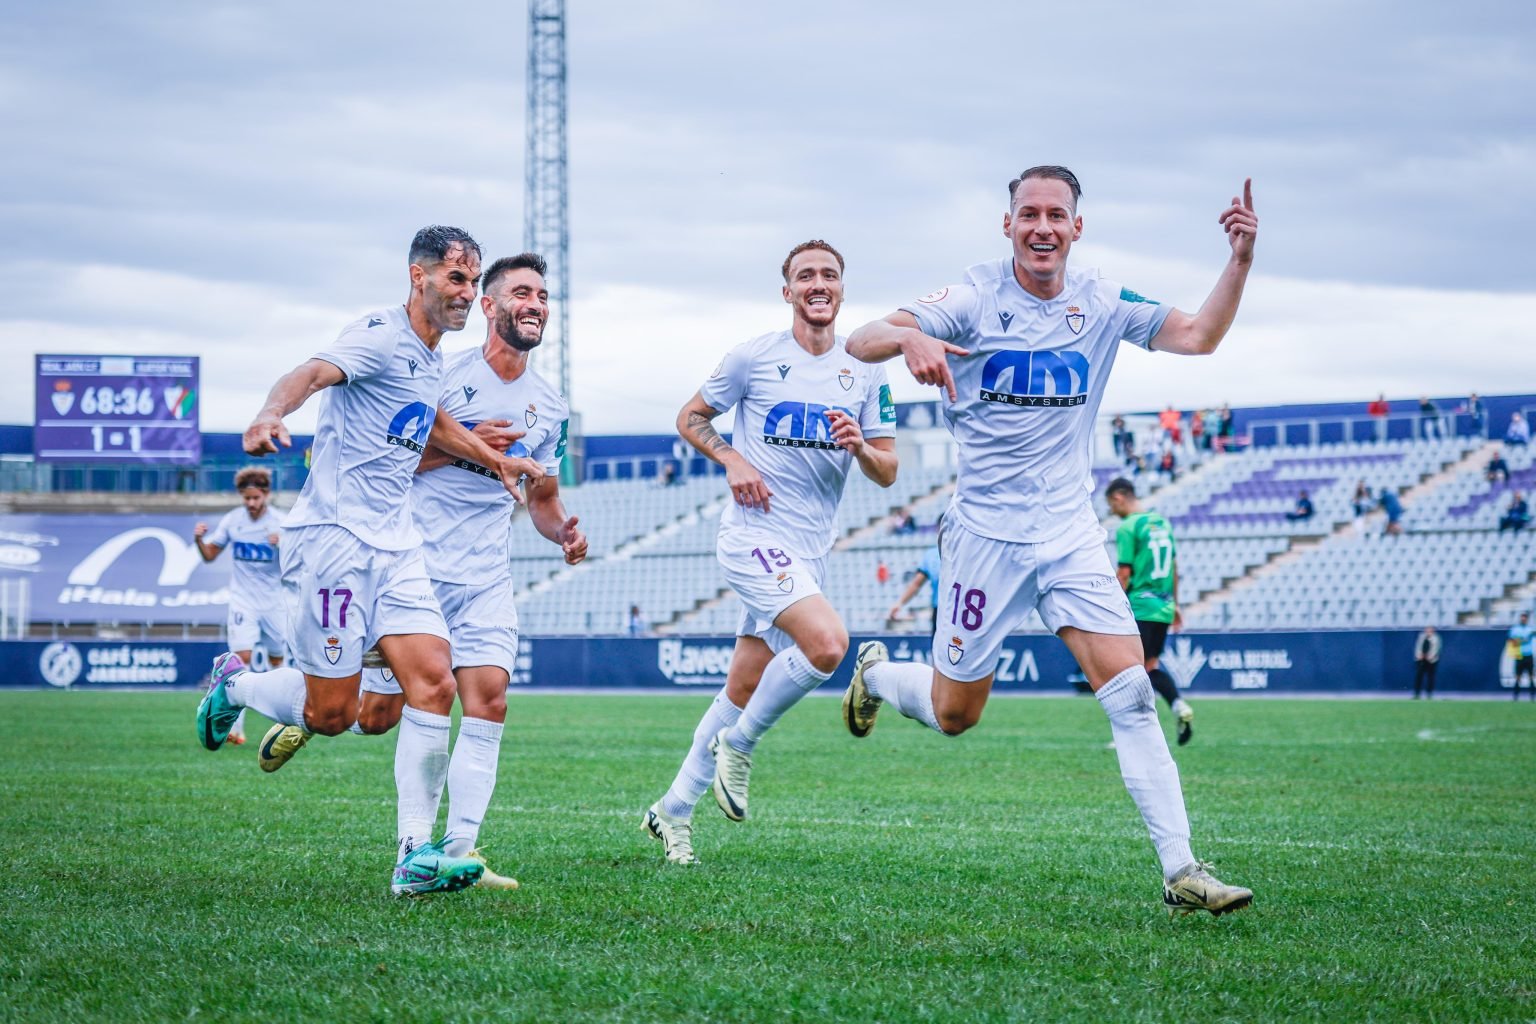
[(1473, 661)]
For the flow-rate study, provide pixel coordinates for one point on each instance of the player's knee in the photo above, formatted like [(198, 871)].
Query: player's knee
[(954, 721), (826, 650), (329, 721), (435, 695), (375, 721)]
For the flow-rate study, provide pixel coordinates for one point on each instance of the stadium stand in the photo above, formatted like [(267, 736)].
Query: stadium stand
[(1243, 564)]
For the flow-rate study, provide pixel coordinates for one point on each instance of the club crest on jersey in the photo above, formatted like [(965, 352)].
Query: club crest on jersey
[(845, 378), (1006, 317), (530, 416), (1075, 319), (332, 649), (956, 650), (470, 393), (937, 296), (783, 369), (786, 582), (389, 674)]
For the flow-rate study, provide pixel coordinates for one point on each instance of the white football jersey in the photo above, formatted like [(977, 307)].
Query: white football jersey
[(462, 509), (782, 394), (1029, 390), (371, 431), (255, 578)]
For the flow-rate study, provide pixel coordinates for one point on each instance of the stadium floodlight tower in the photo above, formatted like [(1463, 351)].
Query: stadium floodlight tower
[(545, 228)]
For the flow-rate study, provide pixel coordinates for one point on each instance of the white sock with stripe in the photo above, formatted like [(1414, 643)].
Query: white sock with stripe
[(788, 677), (906, 686), (698, 770), (1150, 775)]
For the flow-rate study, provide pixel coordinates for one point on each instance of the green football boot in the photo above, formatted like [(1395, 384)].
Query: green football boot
[(428, 869), (216, 715)]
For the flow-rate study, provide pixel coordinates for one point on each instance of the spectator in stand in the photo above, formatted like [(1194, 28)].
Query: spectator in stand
[(669, 476), (1394, 510), (1124, 441), (1518, 515), (1303, 510), (1498, 470), (1197, 439), (635, 624), (1426, 661), (1168, 466), (1520, 648), (1227, 430), (904, 524), (1362, 503), (1169, 420), (1429, 419), (1379, 410), (1519, 432), (1473, 409), (882, 573)]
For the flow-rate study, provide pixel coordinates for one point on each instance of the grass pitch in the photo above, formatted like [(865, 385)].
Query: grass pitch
[(1003, 875)]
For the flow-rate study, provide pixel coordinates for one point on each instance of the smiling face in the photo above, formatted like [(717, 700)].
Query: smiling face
[(519, 307), (447, 287), (814, 287), (1042, 225)]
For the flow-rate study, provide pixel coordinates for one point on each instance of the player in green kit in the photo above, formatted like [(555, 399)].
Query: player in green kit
[(1149, 574)]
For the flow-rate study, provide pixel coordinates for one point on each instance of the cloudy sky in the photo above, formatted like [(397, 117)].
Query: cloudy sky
[(238, 180)]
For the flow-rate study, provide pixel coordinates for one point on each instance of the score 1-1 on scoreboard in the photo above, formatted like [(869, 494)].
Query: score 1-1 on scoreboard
[(117, 409)]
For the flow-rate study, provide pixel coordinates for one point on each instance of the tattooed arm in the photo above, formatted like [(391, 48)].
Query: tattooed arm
[(695, 424)]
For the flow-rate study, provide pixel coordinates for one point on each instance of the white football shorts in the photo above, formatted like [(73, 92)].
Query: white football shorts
[(251, 625), (987, 588), (343, 594), (769, 574), (482, 626)]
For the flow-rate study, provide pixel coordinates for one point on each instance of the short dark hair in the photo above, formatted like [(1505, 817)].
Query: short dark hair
[(253, 476), (522, 261), (814, 243), (1120, 485), (1055, 171), (432, 243)]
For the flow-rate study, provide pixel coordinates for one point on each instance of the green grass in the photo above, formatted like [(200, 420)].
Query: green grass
[(1004, 875)]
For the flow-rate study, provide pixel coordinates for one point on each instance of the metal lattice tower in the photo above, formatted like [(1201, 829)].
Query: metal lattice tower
[(546, 229)]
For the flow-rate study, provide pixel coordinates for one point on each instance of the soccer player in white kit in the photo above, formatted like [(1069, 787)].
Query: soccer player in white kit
[(352, 568), (805, 413), (257, 614), (1023, 349), (463, 513)]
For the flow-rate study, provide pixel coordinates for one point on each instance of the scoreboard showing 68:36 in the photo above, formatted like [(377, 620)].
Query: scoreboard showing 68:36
[(117, 409)]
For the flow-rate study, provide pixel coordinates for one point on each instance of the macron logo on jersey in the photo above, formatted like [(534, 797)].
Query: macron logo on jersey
[(1050, 380), (411, 426), (800, 425), (374, 321), (469, 393), (1006, 317)]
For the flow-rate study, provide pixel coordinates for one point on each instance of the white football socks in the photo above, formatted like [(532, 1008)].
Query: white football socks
[(788, 677), (698, 770), (1150, 775), (421, 768), (471, 780), (906, 686), (278, 693)]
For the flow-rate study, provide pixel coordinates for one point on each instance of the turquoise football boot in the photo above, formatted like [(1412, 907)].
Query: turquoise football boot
[(216, 715), (428, 869)]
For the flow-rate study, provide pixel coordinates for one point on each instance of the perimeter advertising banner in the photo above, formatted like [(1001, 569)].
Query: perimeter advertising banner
[(117, 409), (114, 568), (1378, 662)]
